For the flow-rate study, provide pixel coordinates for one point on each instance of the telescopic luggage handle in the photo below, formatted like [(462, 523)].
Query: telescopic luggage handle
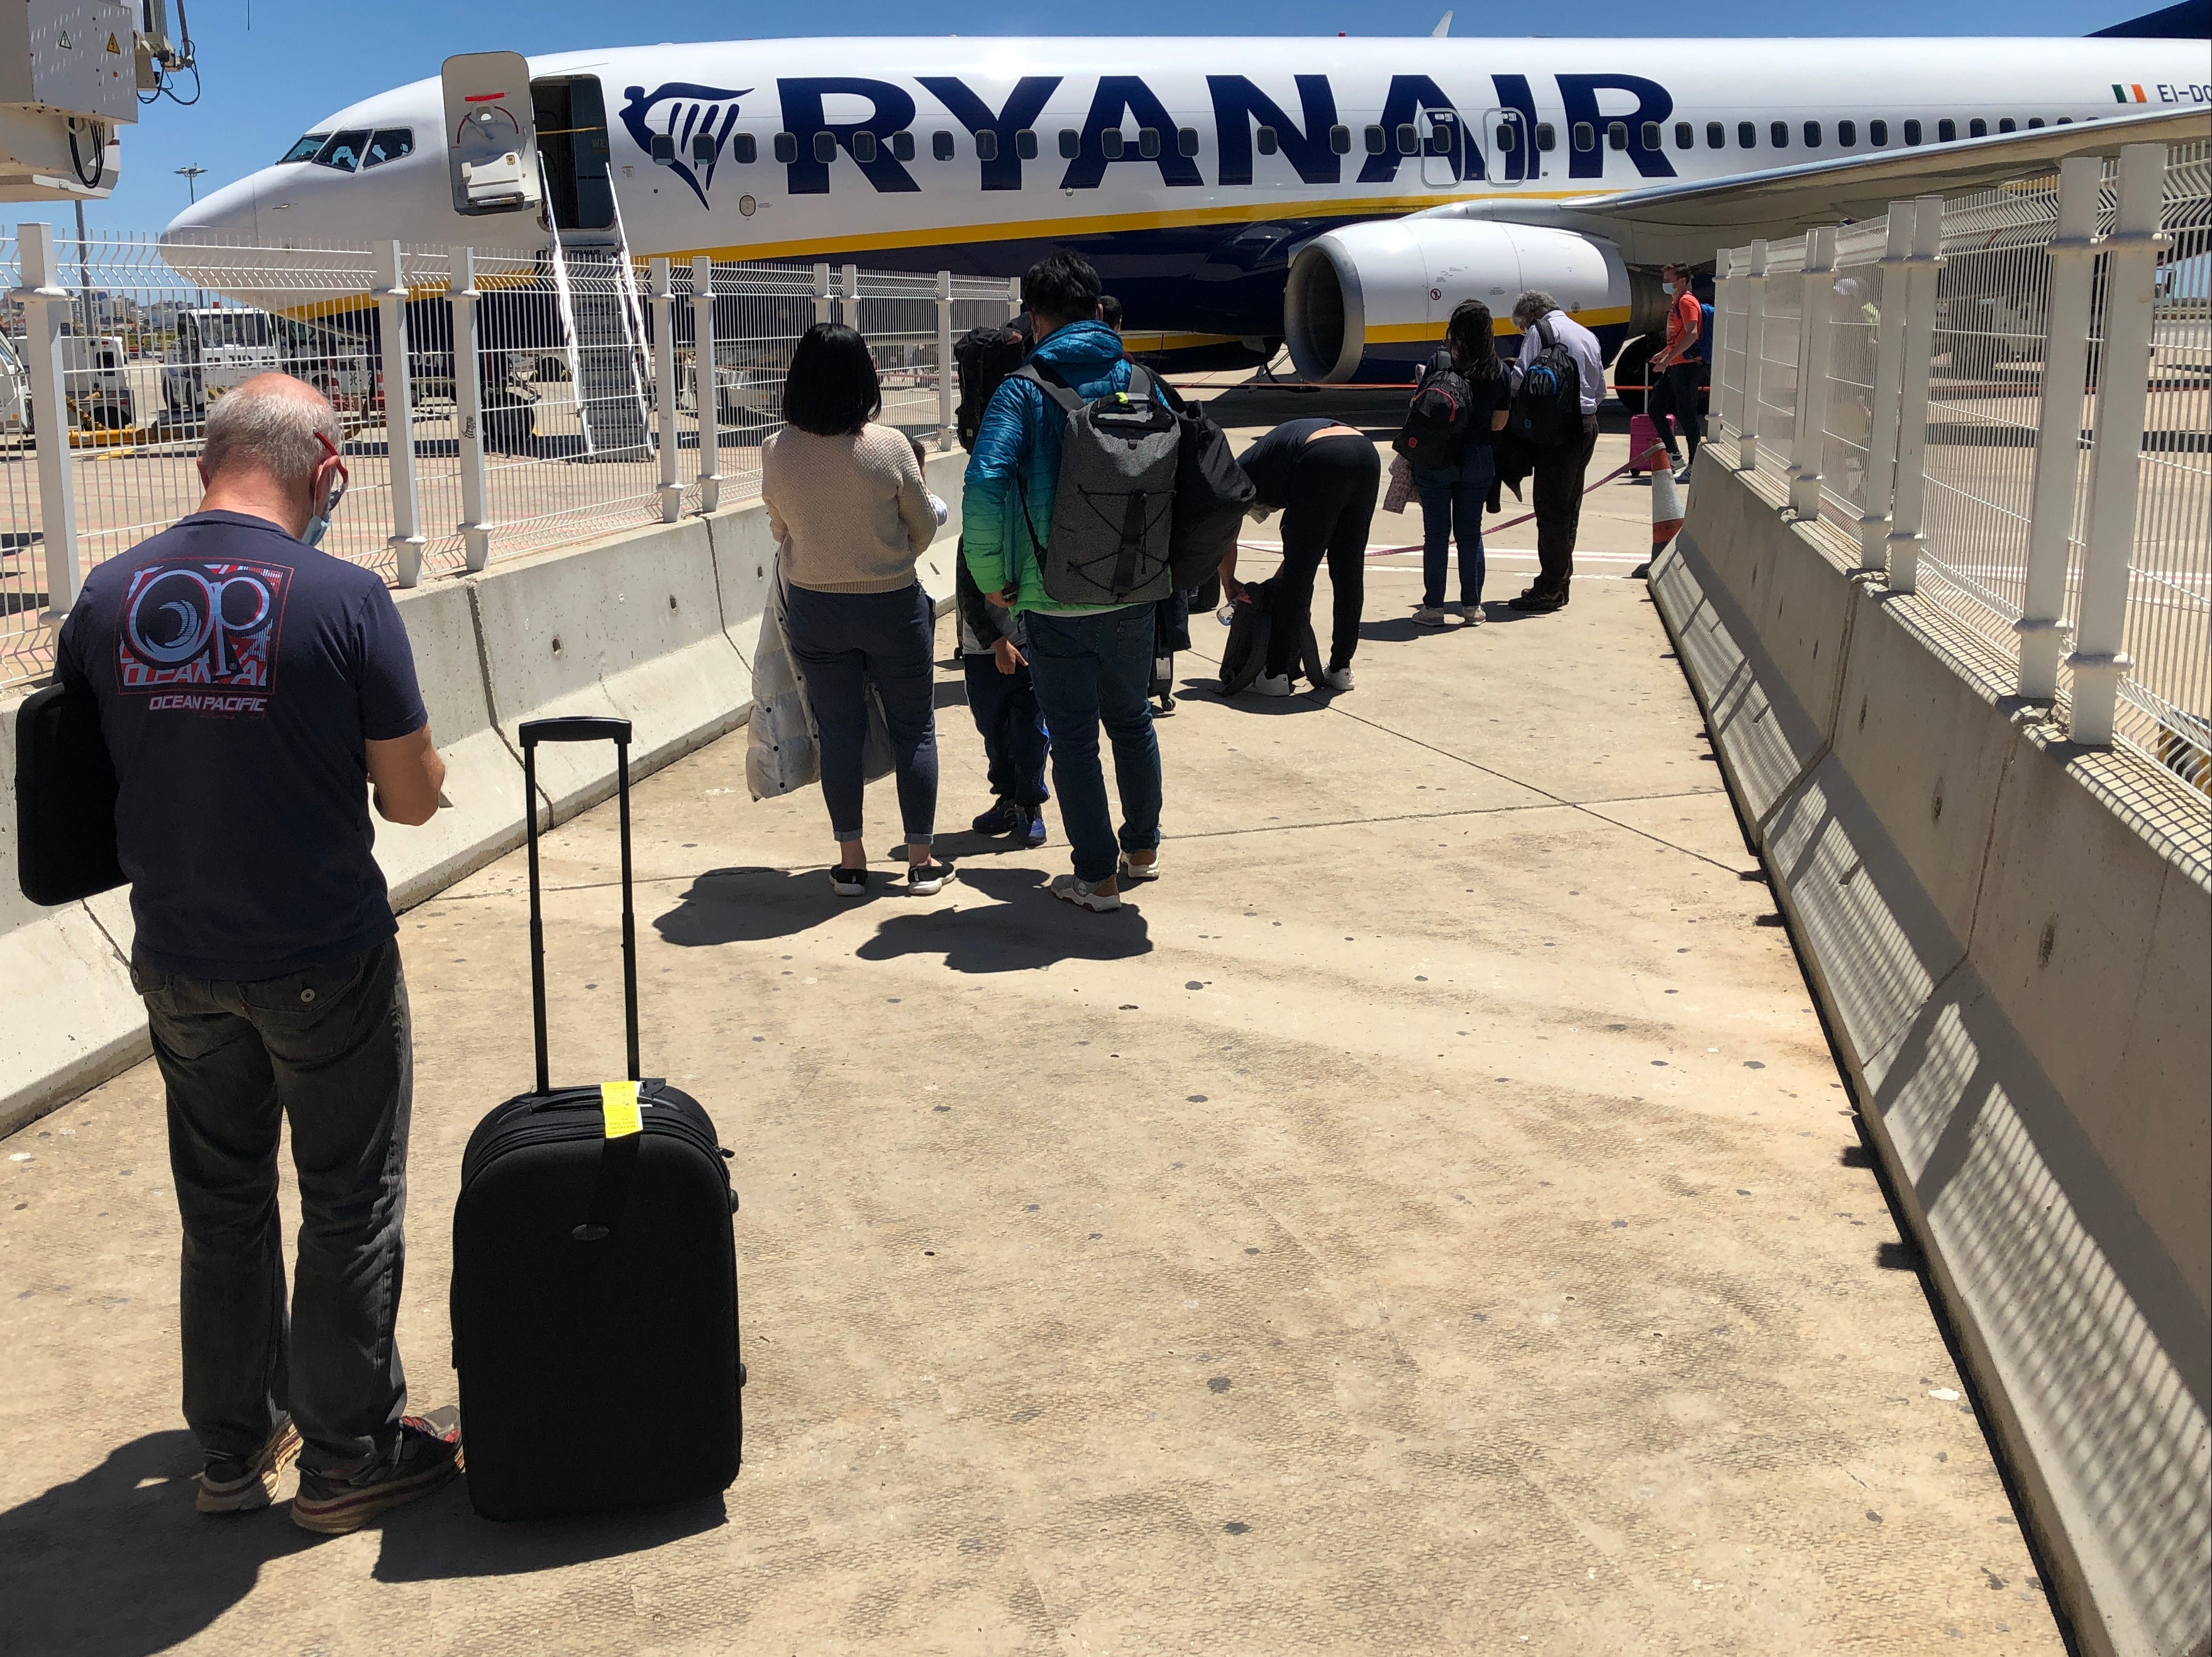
[(578, 727)]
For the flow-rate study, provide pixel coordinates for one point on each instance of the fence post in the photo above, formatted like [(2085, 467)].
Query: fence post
[(849, 304), (46, 305), (1754, 334), (406, 541), (708, 394), (1810, 435), (468, 394), (1888, 366), (2098, 660), (2059, 441), (822, 299), (944, 375), (1909, 492), (1013, 299), (664, 391)]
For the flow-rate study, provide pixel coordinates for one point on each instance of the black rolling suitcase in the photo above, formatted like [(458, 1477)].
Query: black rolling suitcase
[(595, 1292)]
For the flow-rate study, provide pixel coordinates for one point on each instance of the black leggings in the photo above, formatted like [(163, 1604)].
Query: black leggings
[(1331, 502)]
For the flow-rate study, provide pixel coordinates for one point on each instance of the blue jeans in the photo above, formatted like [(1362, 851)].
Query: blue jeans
[(1452, 499), (1092, 670), (843, 643)]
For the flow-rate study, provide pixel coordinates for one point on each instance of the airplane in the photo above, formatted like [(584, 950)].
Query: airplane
[(1338, 195)]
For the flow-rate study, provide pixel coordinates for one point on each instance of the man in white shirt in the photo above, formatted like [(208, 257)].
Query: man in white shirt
[(1558, 468)]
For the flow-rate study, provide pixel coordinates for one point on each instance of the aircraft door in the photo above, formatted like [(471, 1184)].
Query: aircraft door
[(572, 134), (491, 135), (1443, 150), (1508, 146)]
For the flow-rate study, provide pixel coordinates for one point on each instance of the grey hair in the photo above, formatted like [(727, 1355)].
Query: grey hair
[(270, 424), (1535, 303)]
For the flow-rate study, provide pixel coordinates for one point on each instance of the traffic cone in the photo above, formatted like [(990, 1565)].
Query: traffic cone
[(1666, 499)]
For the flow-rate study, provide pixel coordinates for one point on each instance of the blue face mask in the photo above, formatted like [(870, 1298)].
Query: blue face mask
[(312, 535), (320, 522)]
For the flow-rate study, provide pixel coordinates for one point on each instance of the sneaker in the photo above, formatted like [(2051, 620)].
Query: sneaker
[(1540, 601), (332, 1504), (923, 878), (1682, 474), (849, 882), (1272, 684), (1086, 893), (1033, 832), (233, 1483), (1133, 872), (1337, 678), (1432, 616), (1005, 818), (1472, 616)]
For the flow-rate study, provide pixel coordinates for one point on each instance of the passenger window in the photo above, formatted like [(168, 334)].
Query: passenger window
[(1409, 141), (1651, 135), (305, 150), (2034, 122), (1746, 135), (1946, 130), (1110, 143), (1847, 133), (1148, 143), (1546, 139), (1507, 139), (1616, 135), (388, 144), (342, 152), (864, 146), (1025, 144), (2063, 120), (1877, 133), (787, 148), (1440, 135), (1812, 135), (902, 147), (987, 145), (942, 146), (1339, 140), (1186, 141), (1913, 132), (745, 147), (1778, 134), (2007, 124), (1716, 136), (825, 147), (1378, 142), (1265, 138), (1977, 128), (1071, 142), (1686, 136), (1585, 137)]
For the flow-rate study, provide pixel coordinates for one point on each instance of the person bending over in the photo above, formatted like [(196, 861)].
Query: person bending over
[(1321, 476)]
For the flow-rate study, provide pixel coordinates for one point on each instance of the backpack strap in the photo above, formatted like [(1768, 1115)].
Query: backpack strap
[(1046, 380), (1544, 332)]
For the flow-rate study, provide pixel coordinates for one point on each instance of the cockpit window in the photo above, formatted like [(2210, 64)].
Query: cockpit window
[(305, 150), (388, 144), (342, 151)]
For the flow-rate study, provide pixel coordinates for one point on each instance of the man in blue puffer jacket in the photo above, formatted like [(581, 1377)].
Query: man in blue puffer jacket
[(1092, 664)]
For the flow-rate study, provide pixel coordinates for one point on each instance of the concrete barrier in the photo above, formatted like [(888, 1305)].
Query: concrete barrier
[(2013, 952)]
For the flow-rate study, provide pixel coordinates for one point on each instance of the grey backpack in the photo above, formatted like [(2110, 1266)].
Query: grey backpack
[(1114, 509)]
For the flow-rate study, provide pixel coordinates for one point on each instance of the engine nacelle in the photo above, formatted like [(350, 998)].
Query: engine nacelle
[(1380, 293)]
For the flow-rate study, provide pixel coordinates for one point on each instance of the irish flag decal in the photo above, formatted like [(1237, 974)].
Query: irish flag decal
[(2128, 94)]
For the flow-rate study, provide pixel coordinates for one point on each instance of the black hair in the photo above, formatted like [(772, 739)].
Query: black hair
[(1061, 287), (1471, 337), (1109, 311), (832, 388)]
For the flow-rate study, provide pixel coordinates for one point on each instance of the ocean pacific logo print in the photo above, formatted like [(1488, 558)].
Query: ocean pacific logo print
[(683, 111), (202, 622)]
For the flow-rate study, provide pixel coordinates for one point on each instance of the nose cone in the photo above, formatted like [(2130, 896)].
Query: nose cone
[(221, 215)]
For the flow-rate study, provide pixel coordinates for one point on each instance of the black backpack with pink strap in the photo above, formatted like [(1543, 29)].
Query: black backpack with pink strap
[(1439, 418)]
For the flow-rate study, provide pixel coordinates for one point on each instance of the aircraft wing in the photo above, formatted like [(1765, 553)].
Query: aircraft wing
[(1688, 221)]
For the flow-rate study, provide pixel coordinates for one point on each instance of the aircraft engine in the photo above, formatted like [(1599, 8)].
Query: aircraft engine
[(1380, 293)]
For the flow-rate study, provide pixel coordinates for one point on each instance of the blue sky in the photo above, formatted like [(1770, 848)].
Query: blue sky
[(267, 81)]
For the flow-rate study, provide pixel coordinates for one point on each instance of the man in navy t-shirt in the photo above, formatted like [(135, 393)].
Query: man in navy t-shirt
[(255, 695)]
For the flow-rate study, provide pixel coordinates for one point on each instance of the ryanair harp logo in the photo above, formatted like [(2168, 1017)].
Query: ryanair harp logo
[(683, 126)]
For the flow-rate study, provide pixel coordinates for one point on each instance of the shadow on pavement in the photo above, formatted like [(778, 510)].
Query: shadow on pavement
[(117, 1563), (1025, 929), (445, 1538), (750, 905)]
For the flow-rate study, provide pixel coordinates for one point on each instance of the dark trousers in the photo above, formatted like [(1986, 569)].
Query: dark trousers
[(1005, 707), (1452, 500), (1675, 393), (330, 1050), (1558, 473), (1330, 503), (1092, 670), (844, 642)]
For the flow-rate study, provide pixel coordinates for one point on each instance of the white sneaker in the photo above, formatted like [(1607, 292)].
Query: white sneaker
[(1471, 616), (1430, 616), (1135, 873), (1084, 893), (1277, 684), (1337, 678)]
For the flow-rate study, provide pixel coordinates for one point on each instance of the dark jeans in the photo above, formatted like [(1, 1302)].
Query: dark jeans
[(1452, 499), (844, 642), (1006, 709), (1328, 504), (1558, 473), (328, 1049), (1675, 393), (1092, 670)]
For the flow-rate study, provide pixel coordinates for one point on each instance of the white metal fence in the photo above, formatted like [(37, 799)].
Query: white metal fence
[(494, 404), (2002, 403)]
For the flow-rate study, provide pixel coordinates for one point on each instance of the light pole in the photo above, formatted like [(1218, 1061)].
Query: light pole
[(191, 175)]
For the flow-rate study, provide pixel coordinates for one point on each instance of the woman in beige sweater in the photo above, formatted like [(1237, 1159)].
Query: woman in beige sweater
[(845, 498)]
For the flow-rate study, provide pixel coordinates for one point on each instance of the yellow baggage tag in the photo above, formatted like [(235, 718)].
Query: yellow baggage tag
[(618, 1108)]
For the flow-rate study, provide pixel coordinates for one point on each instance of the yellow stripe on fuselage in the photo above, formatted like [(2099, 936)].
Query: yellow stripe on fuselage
[(1408, 333)]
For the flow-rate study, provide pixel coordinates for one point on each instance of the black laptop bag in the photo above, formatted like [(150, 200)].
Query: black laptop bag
[(64, 798), (595, 1291)]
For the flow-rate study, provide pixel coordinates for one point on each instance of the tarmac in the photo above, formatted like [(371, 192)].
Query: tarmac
[(1503, 1274)]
